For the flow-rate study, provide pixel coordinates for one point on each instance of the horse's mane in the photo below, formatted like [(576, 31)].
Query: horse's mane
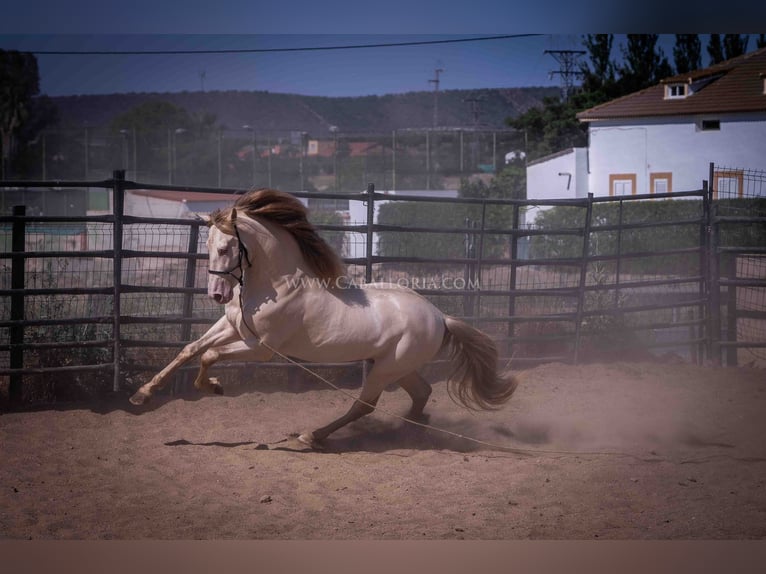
[(286, 211)]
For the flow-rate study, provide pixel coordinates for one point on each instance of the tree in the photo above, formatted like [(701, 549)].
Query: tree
[(153, 119), (510, 183), (734, 45), (687, 53), (159, 127), (19, 83), (553, 127), (644, 65), (599, 76), (42, 112), (715, 49)]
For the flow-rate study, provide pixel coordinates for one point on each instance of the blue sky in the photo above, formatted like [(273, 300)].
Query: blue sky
[(89, 25), (349, 72)]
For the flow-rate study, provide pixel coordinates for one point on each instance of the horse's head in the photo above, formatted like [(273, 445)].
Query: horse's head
[(228, 257)]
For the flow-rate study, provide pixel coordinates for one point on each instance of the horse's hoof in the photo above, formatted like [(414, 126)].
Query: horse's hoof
[(308, 439), (139, 398)]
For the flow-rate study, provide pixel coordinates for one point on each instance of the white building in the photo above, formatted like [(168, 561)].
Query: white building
[(355, 244), (557, 176), (663, 139)]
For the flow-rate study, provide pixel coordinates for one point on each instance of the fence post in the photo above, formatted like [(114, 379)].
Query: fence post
[(476, 304), (583, 276), (189, 283), (469, 252), (368, 254), (703, 330), (370, 228), (17, 302), (512, 279), (190, 280), (618, 267), (118, 208), (714, 287), (730, 269)]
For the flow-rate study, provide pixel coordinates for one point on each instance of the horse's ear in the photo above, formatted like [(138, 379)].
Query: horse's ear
[(233, 214)]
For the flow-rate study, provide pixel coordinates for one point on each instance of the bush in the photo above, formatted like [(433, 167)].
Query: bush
[(644, 240)]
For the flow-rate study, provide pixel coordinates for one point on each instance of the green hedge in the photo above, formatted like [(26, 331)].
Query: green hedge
[(649, 240), (446, 216)]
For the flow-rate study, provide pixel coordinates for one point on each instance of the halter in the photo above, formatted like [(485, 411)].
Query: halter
[(241, 254)]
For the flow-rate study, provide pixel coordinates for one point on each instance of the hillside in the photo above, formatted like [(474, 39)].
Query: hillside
[(272, 111)]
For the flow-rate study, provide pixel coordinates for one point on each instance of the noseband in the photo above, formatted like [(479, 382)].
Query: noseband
[(242, 254)]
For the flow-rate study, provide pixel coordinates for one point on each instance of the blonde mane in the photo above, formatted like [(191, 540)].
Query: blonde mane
[(286, 211)]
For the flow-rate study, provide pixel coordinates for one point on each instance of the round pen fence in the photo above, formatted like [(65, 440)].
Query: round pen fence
[(100, 302)]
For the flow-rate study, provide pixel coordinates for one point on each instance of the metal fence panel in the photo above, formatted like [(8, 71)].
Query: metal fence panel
[(114, 297)]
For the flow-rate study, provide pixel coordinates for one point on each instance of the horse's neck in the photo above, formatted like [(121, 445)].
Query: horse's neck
[(277, 254)]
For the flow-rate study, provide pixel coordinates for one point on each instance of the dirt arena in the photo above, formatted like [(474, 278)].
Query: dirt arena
[(612, 451)]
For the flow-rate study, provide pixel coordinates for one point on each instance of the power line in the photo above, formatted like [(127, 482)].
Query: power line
[(271, 50)]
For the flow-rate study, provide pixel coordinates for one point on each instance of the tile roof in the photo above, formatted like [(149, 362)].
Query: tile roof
[(735, 85)]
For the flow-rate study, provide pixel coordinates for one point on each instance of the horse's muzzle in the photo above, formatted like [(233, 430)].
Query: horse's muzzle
[(219, 291)]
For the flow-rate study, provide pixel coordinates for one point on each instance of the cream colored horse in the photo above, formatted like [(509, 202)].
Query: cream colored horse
[(283, 291)]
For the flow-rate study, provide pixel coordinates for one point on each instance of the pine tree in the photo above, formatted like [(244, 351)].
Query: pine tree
[(715, 49), (645, 63), (19, 84), (687, 53), (734, 45), (600, 74)]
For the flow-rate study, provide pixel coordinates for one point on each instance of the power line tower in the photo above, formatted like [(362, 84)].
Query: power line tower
[(475, 108), (568, 68), (435, 82)]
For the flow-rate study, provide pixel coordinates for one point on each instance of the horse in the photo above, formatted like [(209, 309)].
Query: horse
[(285, 292)]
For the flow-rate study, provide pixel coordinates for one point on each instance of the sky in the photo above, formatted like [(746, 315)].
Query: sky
[(302, 28)]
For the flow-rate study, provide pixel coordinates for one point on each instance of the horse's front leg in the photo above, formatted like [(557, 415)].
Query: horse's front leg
[(221, 333), (238, 350)]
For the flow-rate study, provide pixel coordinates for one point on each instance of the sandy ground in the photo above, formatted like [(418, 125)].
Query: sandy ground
[(615, 451)]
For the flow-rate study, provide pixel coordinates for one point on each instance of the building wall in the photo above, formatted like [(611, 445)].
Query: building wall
[(560, 176), (678, 147)]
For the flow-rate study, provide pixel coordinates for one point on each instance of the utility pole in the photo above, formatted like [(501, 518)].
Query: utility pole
[(568, 69), (202, 74), (435, 82)]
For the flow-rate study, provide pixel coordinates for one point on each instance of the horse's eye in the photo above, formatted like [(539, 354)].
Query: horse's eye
[(222, 251)]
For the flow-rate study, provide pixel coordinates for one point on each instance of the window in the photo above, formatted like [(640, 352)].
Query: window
[(661, 182), (675, 91), (622, 184), (727, 184), (710, 125)]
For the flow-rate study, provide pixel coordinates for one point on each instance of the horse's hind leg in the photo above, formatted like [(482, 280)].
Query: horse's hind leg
[(374, 384), (357, 411), (419, 390)]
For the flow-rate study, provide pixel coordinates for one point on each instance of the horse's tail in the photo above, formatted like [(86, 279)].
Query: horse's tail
[(475, 381)]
